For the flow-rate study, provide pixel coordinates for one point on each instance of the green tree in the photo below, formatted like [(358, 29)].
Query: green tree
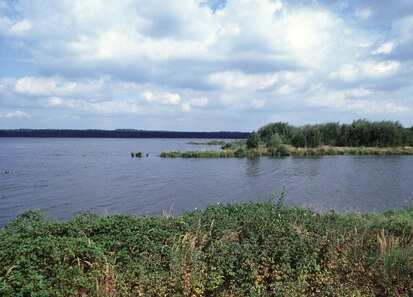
[(253, 140), (299, 140), (284, 130), (313, 136), (275, 141), (330, 133)]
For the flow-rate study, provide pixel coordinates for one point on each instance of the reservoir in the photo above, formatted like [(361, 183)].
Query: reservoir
[(68, 175)]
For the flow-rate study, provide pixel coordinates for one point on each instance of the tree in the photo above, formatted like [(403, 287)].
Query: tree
[(253, 140), (284, 130), (299, 140), (275, 141), (313, 136)]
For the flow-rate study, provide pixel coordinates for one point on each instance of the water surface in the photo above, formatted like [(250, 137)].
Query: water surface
[(68, 175)]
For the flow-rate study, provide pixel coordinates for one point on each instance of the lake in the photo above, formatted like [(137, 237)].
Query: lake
[(67, 175)]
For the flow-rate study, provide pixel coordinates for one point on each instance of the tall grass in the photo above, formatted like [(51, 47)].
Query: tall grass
[(241, 249), (241, 151)]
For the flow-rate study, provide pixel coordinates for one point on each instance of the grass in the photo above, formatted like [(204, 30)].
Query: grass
[(288, 150), (212, 142), (240, 249), (336, 150)]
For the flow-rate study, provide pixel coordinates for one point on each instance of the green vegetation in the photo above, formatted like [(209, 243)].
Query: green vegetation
[(362, 137), (253, 140), (212, 142), (358, 133), (329, 150), (241, 249), (240, 151), (198, 154)]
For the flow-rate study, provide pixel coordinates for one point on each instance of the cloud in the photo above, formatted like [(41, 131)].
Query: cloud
[(113, 107), (165, 98), (57, 86), (237, 79), (257, 104), (194, 102), (367, 69), (364, 13), (54, 101), (255, 60), (385, 48), (16, 114)]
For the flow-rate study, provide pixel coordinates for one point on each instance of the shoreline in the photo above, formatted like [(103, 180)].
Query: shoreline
[(289, 150)]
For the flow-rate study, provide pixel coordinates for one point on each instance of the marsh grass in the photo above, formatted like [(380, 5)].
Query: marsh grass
[(240, 151), (212, 142)]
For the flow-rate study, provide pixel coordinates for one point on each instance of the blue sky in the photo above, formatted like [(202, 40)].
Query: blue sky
[(195, 65)]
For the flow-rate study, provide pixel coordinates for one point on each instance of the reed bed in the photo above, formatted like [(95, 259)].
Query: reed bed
[(288, 150)]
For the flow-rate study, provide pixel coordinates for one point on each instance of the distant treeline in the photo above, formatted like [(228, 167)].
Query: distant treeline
[(358, 133), (121, 133)]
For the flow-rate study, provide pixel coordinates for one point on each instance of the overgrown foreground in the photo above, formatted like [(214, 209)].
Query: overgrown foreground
[(241, 249)]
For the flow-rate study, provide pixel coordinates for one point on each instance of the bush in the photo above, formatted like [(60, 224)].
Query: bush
[(241, 249), (253, 140), (299, 140), (313, 136), (275, 141), (227, 145), (240, 153), (283, 151)]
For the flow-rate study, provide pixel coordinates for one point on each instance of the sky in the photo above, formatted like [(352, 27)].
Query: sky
[(203, 65)]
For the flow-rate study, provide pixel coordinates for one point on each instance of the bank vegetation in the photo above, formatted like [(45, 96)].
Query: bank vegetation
[(240, 249)]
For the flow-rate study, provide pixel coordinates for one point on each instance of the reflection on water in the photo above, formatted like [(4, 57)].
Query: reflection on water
[(65, 176), (253, 167)]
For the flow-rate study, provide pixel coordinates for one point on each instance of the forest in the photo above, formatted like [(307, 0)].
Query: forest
[(119, 133)]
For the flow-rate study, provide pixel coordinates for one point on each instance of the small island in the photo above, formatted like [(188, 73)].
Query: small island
[(280, 139), (212, 142)]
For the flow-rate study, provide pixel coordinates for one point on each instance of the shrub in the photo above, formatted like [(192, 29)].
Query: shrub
[(241, 249), (227, 145), (283, 151), (313, 136), (275, 141), (253, 140), (299, 140), (240, 153)]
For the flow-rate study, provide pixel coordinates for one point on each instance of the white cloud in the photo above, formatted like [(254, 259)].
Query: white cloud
[(20, 28), (54, 101), (338, 101), (167, 58), (113, 107), (364, 13), (257, 104), (237, 79), (359, 92), (165, 98), (56, 86), (194, 102), (385, 48), (169, 98), (148, 96), (367, 69), (375, 69), (17, 114)]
